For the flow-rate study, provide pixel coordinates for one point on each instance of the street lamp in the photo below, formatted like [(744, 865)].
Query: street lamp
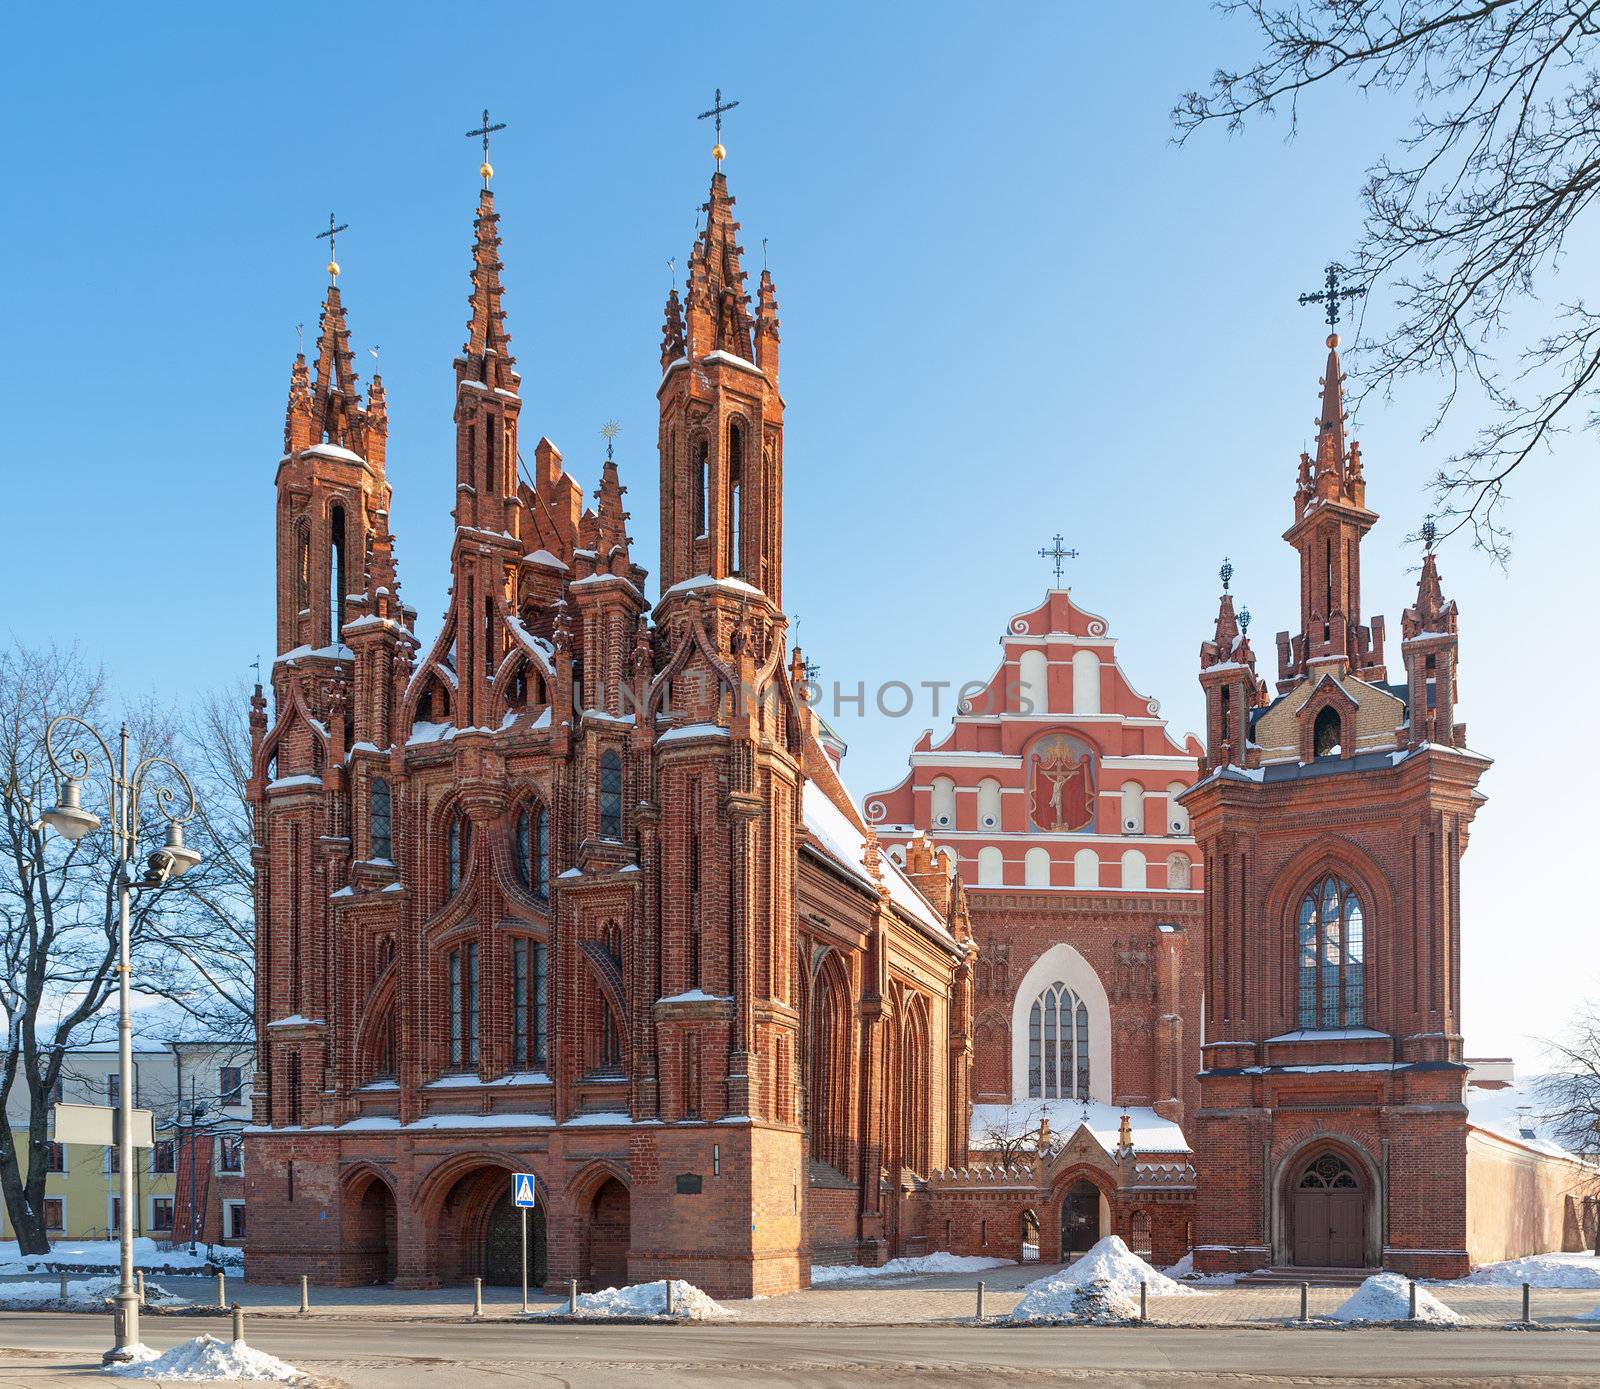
[(67, 817)]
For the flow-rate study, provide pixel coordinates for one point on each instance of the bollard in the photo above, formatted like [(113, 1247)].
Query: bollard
[(572, 1297), (1144, 1300), (222, 1289), (139, 1278), (980, 1299), (238, 1324), (1411, 1295), (305, 1294), (1525, 1317), (477, 1297), (1305, 1293), (63, 1285), (668, 1282)]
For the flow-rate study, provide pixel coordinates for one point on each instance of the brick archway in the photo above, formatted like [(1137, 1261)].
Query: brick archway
[(369, 1216), (1351, 1203), (455, 1205)]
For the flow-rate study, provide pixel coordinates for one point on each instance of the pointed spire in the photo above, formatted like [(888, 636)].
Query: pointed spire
[(672, 342), (1329, 480), (297, 419), (336, 405), (488, 346), (612, 539), (1431, 613), (719, 308), (767, 326)]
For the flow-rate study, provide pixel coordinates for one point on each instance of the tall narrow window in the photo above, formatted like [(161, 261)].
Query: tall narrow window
[(529, 1002), (1326, 740), (533, 848), (1331, 946), (337, 585), (382, 820), (1058, 1045), (491, 435), (302, 585), (462, 981), (702, 487), (610, 795), (735, 497), (460, 847), (489, 643)]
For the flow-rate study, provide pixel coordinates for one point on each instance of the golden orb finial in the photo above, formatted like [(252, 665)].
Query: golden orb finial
[(719, 152), (1333, 340), (487, 170), (333, 269)]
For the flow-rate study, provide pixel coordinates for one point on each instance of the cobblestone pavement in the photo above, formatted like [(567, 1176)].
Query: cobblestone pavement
[(947, 1299)]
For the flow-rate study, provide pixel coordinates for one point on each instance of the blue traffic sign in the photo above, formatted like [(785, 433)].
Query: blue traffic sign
[(522, 1186)]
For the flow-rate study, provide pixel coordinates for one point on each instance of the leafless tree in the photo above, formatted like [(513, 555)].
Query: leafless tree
[(1467, 216), (58, 916), (1012, 1135), (1570, 1096)]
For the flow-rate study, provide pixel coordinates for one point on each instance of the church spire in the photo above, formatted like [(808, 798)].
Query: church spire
[(719, 307), (335, 404), (488, 347)]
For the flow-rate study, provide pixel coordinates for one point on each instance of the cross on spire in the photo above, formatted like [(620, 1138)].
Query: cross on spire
[(483, 132), (1331, 293), (717, 108), (1056, 553), (332, 234)]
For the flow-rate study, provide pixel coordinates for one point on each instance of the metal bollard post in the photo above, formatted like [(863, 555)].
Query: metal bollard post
[(980, 1299), (1525, 1317), (222, 1290), (1305, 1293), (477, 1297), (139, 1279), (572, 1297), (1144, 1300), (63, 1285), (1411, 1296), (305, 1295), (238, 1324), (668, 1282)]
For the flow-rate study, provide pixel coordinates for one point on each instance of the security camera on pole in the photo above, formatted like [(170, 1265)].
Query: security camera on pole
[(125, 791)]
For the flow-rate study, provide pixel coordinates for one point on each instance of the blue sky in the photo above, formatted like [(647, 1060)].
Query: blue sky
[(1010, 307)]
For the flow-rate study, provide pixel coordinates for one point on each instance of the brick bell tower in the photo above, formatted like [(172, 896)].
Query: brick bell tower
[(1333, 818)]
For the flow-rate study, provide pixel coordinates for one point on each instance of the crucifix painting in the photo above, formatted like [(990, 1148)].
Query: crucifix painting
[(1061, 784)]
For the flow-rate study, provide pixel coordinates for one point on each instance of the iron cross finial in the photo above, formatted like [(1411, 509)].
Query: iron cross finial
[(1056, 553), (483, 132), (1226, 573), (332, 235), (255, 665), (718, 106), (1430, 532), (1331, 293)]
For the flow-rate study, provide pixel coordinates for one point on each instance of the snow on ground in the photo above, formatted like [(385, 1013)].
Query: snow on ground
[(1184, 1269), (1101, 1286), (1539, 1271), (207, 1358), (645, 1300), (104, 1253), (1387, 1297), (84, 1295), (824, 1274)]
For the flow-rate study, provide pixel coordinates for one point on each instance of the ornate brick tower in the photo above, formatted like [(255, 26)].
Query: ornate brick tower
[(1332, 820)]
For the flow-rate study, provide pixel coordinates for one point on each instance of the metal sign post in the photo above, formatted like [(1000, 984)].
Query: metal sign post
[(524, 1193)]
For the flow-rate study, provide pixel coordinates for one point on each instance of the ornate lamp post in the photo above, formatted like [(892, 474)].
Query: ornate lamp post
[(67, 817)]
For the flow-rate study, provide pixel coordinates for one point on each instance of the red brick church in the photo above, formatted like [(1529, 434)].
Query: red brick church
[(577, 889)]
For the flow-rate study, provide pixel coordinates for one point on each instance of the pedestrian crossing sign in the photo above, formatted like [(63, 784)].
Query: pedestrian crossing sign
[(522, 1188)]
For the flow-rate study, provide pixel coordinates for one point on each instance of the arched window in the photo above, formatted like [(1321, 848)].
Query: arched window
[(1132, 808), (1086, 868), (530, 1002), (735, 496), (701, 480), (336, 573), (988, 804), (914, 1091), (1085, 683), (944, 802), (1326, 734), (460, 846), (1058, 1046), (1178, 872), (828, 1085), (533, 848), (1036, 868), (302, 583), (1177, 813), (610, 795), (382, 820), (991, 867), (1332, 952), (1033, 692), (462, 982), (1134, 877)]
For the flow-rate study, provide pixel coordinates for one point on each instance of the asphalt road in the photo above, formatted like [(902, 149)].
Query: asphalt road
[(49, 1349)]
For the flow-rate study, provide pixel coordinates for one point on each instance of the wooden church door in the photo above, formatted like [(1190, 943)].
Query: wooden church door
[(1327, 1215)]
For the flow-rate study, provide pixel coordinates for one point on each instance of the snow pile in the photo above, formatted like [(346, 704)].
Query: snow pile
[(1386, 1297), (646, 1300), (85, 1295), (1052, 1302), (1540, 1271), (106, 1253), (207, 1358), (1593, 1315), (823, 1274), (1184, 1269)]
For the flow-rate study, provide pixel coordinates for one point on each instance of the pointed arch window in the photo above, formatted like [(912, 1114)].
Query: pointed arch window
[(610, 795), (1058, 1045), (1332, 956), (530, 1002), (382, 820), (1326, 734), (735, 496), (533, 847), (303, 565), (460, 847), (462, 983), (337, 577), (702, 487)]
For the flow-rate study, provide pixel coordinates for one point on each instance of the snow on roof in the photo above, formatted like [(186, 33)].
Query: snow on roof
[(707, 581), (1507, 1110), (545, 558), (1151, 1133)]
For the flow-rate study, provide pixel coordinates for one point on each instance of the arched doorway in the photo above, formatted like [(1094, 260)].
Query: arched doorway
[(1030, 1238), (1080, 1219), (370, 1223), (502, 1245), (1327, 1214), (609, 1235)]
